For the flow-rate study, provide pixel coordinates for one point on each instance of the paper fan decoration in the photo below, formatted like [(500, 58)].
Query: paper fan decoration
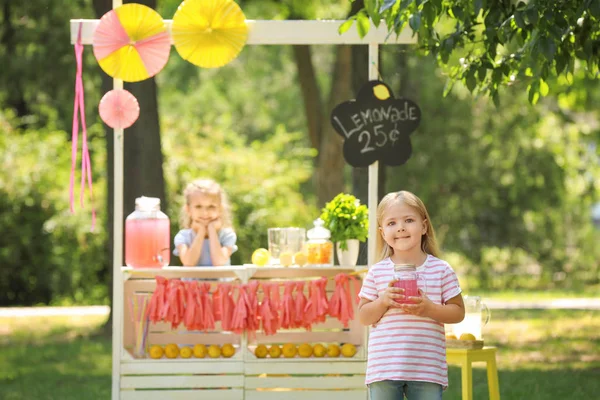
[(119, 109), (209, 33), (131, 42)]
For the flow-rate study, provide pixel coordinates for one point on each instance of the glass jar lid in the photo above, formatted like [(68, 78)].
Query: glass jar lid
[(147, 203), (319, 231)]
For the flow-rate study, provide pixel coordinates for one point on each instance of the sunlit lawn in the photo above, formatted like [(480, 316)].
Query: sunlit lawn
[(543, 354)]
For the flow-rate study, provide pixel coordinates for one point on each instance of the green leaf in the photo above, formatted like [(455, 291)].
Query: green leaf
[(497, 76), (548, 47), (387, 4), (532, 15), (534, 94), (470, 80), (346, 25), (458, 12), (429, 14), (496, 98), (448, 87), (415, 21), (561, 62), (519, 20), (362, 24), (371, 6), (481, 72), (404, 5), (544, 89)]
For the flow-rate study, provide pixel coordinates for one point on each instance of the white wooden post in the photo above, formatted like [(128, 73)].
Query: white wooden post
[(118, 299), (373, 168)]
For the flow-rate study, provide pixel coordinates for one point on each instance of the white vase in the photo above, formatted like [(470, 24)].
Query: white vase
[(349, 257)]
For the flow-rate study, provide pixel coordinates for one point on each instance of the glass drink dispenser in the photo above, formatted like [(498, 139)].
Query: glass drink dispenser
[(147, 235)]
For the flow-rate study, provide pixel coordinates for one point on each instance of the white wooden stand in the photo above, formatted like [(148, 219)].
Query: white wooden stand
[(124, 369), (243, 376)]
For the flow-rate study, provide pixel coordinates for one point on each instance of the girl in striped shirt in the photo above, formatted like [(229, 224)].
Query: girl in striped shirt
[(407, 344)]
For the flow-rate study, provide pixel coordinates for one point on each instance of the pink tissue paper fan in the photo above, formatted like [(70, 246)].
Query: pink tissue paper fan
[(119, 109)]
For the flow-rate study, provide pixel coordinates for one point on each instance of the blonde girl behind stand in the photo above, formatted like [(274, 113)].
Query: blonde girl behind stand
[(428, 241), (211, 188)]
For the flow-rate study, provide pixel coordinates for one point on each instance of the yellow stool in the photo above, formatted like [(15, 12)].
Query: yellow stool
[(464, 358)]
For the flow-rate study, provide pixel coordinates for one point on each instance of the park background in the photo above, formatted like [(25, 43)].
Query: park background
[(511, 188)]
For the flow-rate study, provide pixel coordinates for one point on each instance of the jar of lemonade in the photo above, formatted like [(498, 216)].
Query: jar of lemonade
[(318, 247), (147, 235)]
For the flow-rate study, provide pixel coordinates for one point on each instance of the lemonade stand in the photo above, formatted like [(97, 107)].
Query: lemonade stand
[(323, 357)]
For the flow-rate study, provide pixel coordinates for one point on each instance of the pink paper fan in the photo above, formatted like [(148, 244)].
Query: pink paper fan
[(119, 109)]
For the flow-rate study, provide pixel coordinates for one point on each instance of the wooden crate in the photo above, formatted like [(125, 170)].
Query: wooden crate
[(178, 378), (301, 378), (330, 331)]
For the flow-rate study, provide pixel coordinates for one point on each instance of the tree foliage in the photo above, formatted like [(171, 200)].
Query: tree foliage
[(510, 189), (47, 253), (490, 44)]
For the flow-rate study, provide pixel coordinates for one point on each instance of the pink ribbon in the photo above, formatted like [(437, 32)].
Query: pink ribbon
[(208, 318), (158, 300), (299, 306), (79, 110), (288, 317)]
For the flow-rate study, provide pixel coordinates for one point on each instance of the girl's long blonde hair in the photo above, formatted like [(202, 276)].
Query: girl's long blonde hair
[(211, 188), (428, 241)]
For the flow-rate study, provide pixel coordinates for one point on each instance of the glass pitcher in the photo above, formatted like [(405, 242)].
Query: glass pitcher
[(285, 240), (410, 280), (147, 235), (477, 315)]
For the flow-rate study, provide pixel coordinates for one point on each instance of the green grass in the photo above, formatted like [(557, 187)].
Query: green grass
[(54, 358), (543, 354), (532, 295)]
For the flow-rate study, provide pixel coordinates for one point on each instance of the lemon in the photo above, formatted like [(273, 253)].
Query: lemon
[(467, 336), (300, 259), (333, 350), (285, 258), (319, 350), (381, 92), (451, 336), (199, 351), (227, 350), (261, 351), (348, 350), (156, 351), (289, 350), (186, 352), (261, 257), (214, 351), (275, 351), (305, 350), (171, 350)]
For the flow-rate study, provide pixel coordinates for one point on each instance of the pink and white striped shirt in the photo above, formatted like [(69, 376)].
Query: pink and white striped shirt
[(404, 346)]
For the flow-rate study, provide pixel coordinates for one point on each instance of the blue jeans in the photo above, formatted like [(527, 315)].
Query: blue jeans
[(413, 390)]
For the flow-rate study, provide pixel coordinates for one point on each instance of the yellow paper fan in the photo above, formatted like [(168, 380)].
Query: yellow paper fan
[(209, 33)]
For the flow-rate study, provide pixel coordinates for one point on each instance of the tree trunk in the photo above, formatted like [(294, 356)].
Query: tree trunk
[(329, 173), (310, 93), (330, 161), (143, 159)]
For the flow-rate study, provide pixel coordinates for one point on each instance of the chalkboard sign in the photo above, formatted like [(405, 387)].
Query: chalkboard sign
[(376, 126)]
